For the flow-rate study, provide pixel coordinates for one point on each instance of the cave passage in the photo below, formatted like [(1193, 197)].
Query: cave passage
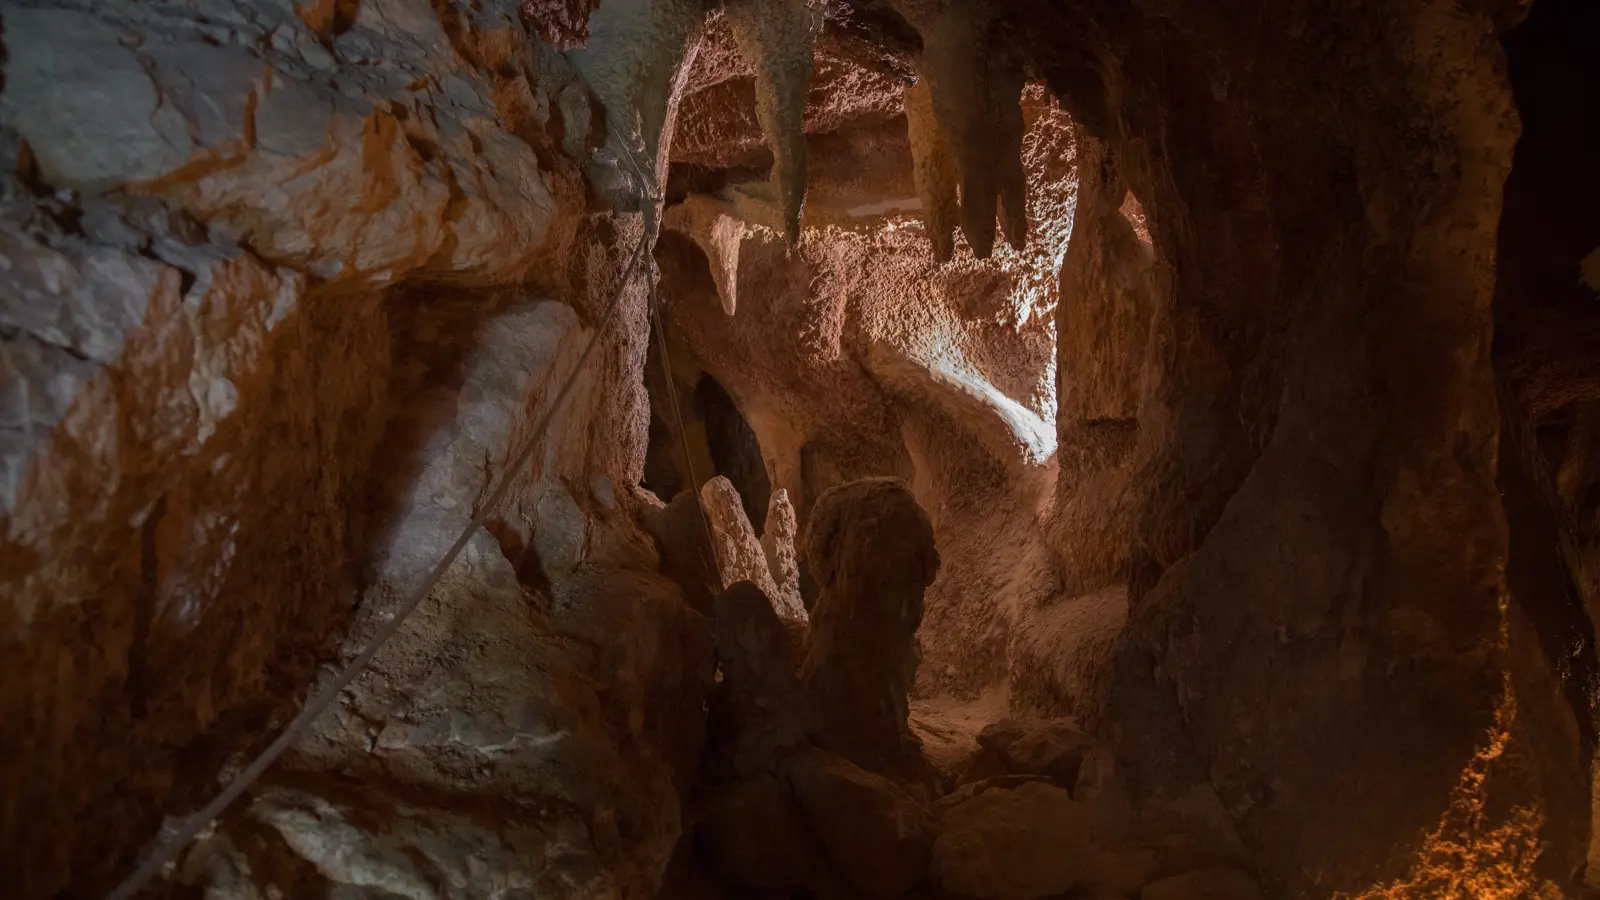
[(1070, 450)]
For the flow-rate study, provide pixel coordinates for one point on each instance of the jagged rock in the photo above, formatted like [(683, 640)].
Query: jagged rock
[(770, 715), (1204, 884), (1025, 843), (563, 24), (777, 37), (720, 124), (753, 837), (876, 833), (871, 549), (777, 542), (1054, 748), (686, 555), (740, 556)]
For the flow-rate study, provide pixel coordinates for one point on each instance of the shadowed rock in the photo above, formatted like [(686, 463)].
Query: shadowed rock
[(871, 549)]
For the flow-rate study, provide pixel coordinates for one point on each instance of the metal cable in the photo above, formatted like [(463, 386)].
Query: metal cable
[(683, 434), (320, 702)]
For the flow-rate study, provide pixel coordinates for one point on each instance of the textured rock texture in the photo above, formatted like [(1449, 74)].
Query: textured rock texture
[(871, 549), (1317, 534), (1263, 446), (741, 556), (856, 355), (284, 293)]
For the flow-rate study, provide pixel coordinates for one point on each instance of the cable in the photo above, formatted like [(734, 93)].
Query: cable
[(320, 702), (683, 434), (654, 305)]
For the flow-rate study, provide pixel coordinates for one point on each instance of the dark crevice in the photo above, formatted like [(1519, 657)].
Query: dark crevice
[(734, 448)]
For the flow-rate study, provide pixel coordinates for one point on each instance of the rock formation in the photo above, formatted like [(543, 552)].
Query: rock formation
[(770, 717), (776, 37), (778, 543), (871, 550), (1227, 530)]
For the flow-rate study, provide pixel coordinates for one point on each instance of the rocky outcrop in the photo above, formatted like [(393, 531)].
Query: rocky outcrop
[(286, 294)]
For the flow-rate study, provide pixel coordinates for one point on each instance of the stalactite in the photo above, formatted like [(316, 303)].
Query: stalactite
[(778, 37), (638, 54), (1005, 96), (933, 170), (976, 96)]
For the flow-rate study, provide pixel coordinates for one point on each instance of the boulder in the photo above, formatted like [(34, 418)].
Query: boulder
[(1054, 748), (876, 834), (753, 837), (1028, 842), (1216, 883)]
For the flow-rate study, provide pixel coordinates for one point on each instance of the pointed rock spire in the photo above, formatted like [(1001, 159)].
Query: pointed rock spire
[(779, 37)]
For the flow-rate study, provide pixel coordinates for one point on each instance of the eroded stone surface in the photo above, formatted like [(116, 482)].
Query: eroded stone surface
[(778, 543), (771, 716), (871, 549), (874, 831), (740, 555), (229, 428)]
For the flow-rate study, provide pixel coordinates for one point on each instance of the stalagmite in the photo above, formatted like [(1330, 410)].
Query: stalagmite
[(871, 548), (778, 36), (740, 555), (777, 541)]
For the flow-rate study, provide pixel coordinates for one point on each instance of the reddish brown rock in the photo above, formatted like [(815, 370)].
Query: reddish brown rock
[(754, 837), (876, 833), (870, 547), (771, 716), (563, 24)]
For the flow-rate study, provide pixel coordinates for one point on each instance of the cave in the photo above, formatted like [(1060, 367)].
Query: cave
[(830, 449)]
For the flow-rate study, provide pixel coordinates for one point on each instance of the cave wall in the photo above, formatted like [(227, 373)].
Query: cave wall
[(1545, 331), (1319, 539), (287, 286)]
